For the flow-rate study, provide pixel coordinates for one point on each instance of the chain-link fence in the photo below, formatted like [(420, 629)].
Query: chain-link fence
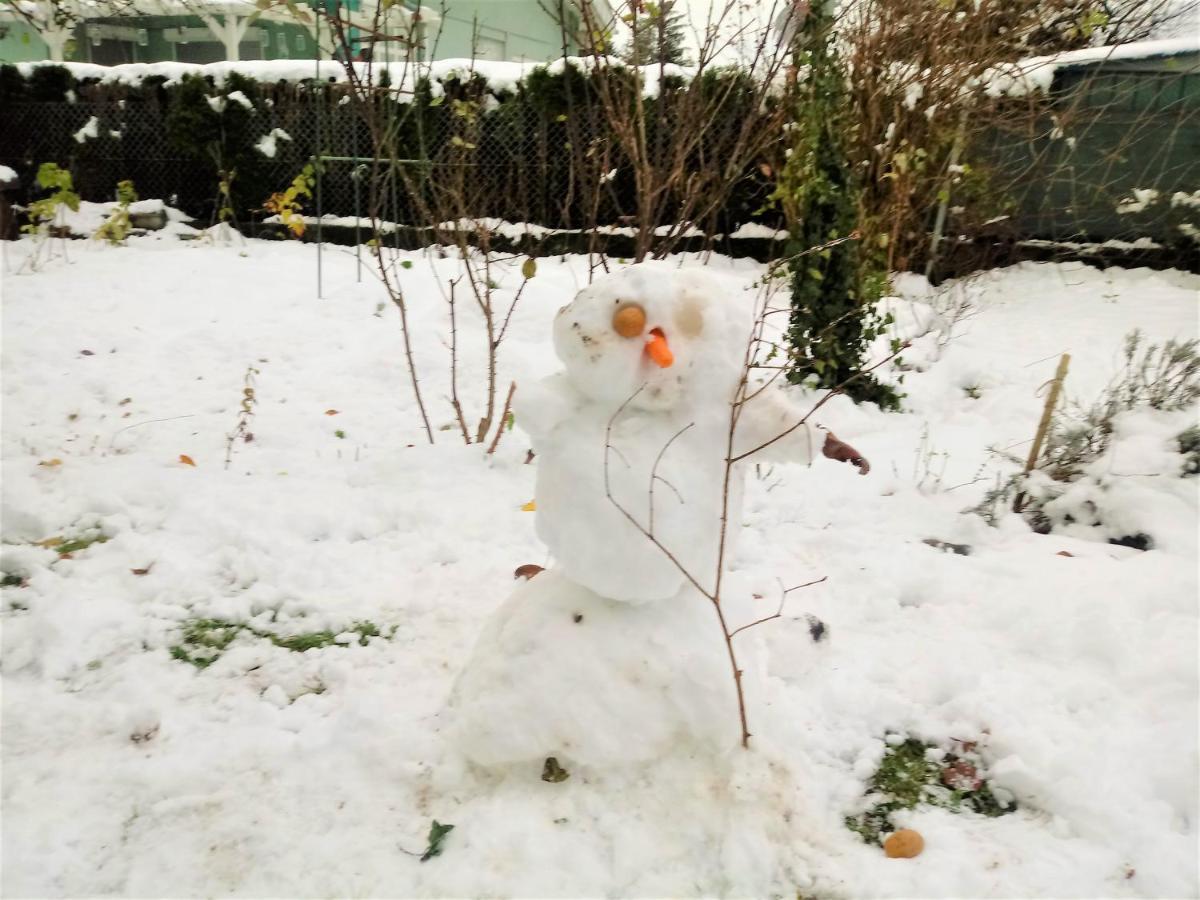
[(510, 163), (1102, 142)]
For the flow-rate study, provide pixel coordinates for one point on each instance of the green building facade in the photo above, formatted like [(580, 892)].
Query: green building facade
[(522, 30)]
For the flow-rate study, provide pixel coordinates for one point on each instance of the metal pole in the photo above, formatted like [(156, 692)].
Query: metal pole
[(939, 225), (355, 172), (319, 150)]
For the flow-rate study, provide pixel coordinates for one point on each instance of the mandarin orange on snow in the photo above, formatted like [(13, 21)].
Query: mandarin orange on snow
[(904, 844)]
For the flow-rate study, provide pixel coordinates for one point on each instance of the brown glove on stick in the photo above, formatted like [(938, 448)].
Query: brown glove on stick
[(843, 452)]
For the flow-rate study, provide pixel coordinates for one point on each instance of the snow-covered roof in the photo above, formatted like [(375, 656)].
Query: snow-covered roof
[(1037, 73)]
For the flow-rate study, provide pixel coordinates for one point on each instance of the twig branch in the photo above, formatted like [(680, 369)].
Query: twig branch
[(503, 418), (829, 395)]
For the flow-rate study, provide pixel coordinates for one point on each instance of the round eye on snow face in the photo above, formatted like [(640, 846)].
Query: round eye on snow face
[(629, 321)]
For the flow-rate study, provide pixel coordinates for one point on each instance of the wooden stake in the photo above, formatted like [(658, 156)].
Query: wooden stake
[(1044, 425)]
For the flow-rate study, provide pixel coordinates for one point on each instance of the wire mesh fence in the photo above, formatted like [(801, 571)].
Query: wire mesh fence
[(1074, 171), (514, 169)]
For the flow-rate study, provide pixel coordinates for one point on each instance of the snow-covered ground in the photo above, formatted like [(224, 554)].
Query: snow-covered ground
[(280, 773)]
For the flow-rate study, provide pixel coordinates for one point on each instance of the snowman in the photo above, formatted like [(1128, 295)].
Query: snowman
[(613, 654)]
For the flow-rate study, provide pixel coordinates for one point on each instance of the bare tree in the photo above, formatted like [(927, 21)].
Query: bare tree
[(689, 134)]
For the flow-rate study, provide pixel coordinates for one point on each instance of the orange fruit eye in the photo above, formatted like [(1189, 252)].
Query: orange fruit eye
[(629, 321)]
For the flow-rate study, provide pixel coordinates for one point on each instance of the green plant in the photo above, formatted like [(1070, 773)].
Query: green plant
[(219, 137), (912, 773), (67, 548), (204, 640), (46, 213), (834, 288), (658, 35), (287, 204), (1189, 446), (437, 836), (116, 227)]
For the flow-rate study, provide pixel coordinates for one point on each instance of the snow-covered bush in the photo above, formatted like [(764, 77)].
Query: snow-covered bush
[(1103, 462)]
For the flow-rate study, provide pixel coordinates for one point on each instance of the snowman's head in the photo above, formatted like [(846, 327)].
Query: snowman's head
[(680, 333)]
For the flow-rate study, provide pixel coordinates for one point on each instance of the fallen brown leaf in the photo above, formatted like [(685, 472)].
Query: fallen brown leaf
[(186, 460), (51, 463)]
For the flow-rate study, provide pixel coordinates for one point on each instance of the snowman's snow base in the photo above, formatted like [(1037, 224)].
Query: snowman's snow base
[(560, 671)]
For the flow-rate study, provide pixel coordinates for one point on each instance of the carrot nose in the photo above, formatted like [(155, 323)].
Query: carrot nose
[(658, 349)]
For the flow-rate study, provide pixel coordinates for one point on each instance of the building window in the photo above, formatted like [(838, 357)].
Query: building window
[(299, 41), (488, 47)]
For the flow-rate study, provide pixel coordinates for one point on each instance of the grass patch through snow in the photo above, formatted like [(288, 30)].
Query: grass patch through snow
[(910, 775), (204, 640)]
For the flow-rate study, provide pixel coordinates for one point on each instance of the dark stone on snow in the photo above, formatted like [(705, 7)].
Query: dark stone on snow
[(1139, 541), (947, 547), (553, 772), (817, 629), (149, 221)]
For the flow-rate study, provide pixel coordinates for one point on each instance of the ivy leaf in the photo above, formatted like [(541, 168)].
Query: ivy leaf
[(529, 268), (437, 834)]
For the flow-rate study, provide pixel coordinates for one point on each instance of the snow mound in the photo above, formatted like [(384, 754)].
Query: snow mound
[(560, 671)]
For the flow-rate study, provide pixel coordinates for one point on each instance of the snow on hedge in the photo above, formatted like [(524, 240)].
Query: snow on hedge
[(500, 76)]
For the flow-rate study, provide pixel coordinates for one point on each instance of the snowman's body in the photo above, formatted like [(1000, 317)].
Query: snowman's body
[(626, 434)]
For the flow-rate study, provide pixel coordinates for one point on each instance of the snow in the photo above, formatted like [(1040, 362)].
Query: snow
[(1142, 197), (530, 688), (1037, 73), (90, 129), (240, 98), (84, 221), (1179, 198), (1090, 247), (279, 773), (515, 231), (7, 175), (268, 143), (755, 230), (499, 75)]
